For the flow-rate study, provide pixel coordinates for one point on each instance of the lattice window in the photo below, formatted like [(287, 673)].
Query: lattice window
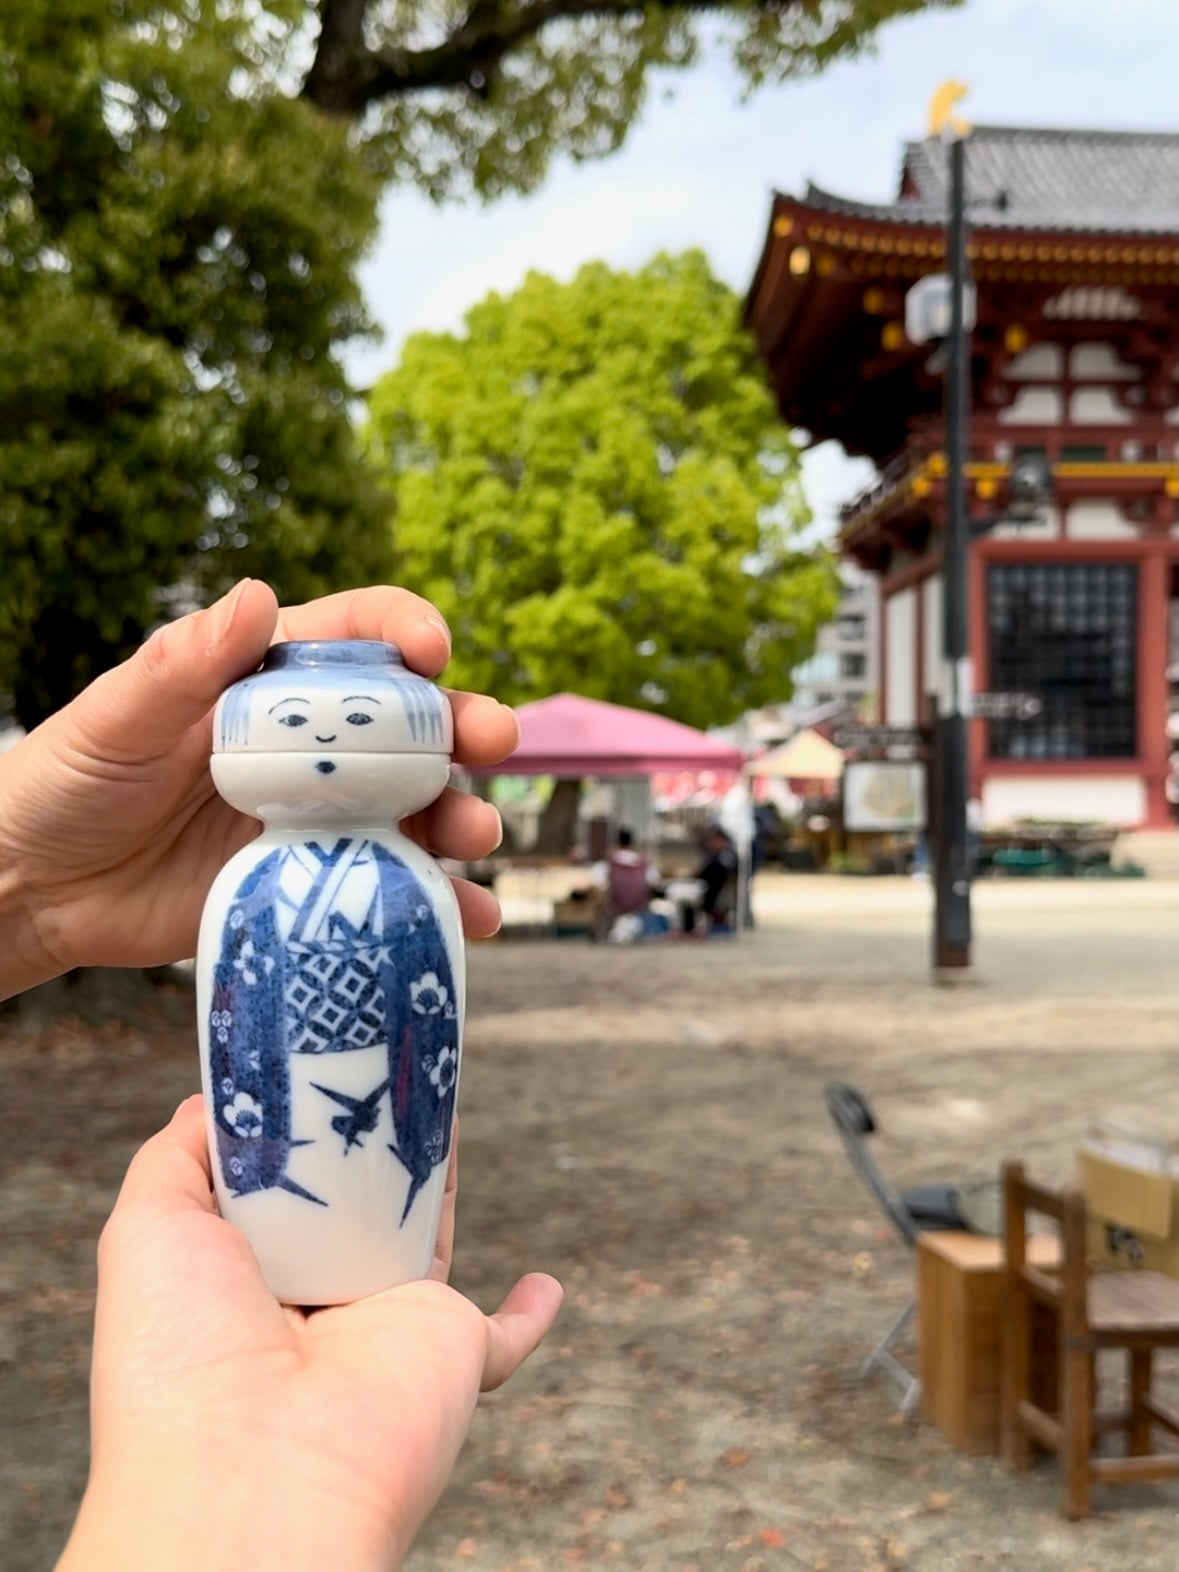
[(1065, 633)]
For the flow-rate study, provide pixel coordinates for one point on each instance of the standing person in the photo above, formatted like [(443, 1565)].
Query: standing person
[(739, 823), (229, 1430), (767, 826)]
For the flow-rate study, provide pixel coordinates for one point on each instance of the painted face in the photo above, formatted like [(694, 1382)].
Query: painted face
[(330, 727), (318, 720), (353, 696)]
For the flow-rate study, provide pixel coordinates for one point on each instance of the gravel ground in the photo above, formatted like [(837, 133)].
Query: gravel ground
[(648, 1125)]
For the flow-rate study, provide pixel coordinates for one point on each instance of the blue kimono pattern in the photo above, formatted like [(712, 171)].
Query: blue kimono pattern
[(297, 975)]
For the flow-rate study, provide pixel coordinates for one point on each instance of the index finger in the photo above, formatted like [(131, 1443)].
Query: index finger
[(485, 731), (378, 611)]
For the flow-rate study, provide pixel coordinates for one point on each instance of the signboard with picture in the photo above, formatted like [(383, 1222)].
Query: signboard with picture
[(884, 794)]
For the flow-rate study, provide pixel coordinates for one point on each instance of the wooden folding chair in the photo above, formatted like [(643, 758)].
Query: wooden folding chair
[(1134, 1311)]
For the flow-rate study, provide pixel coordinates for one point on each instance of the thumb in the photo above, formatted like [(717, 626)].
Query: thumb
[(173, 680), (519, 1326), (171, 1171)]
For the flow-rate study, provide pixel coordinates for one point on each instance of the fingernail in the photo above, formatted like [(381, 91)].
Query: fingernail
[(224, 612), (439, 627)]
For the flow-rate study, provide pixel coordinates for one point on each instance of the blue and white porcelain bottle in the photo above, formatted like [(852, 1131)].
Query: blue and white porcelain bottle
[(330, 976)]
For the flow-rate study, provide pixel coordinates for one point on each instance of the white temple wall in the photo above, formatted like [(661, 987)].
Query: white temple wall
[(1034, 407), (1099, 521), (1099, 363), (1098, 407), (900, 645), (931, 633), (1045, 526), (1042, 360), (1100, 799)]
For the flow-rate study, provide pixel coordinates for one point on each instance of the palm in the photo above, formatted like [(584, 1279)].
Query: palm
[(330, 1399), (349, 1418), (340, 1427), (146, 836)]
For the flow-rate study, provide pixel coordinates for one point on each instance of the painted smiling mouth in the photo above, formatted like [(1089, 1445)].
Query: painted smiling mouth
[(325, 766)]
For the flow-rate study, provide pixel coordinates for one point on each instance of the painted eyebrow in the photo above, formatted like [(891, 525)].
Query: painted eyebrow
[(363, 697), (281, 702)]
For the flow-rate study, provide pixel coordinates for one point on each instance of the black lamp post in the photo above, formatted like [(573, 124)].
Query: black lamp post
[(951, 859), (927, 318)]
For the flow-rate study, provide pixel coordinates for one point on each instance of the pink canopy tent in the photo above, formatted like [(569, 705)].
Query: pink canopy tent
[(569, 736)]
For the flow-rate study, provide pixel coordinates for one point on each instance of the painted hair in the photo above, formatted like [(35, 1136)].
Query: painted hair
[(382, 664), (234, 717)]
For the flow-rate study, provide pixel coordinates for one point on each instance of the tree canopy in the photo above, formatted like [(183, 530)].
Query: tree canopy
[(177, 271), (480, 95), (592, 482), (186, 188)]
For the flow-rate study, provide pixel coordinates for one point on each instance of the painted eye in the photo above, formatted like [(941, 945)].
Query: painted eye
[(292, 720), (358, 718)]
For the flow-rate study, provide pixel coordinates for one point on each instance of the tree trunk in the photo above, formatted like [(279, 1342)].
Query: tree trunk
[(556, 834)]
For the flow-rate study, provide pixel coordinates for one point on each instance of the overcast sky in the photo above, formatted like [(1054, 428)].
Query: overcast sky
[(700, 168)]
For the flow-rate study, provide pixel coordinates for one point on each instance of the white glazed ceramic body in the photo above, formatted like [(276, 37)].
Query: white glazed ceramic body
[(330, 975)]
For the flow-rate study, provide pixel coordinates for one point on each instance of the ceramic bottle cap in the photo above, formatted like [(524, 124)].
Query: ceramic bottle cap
[(346, 695)]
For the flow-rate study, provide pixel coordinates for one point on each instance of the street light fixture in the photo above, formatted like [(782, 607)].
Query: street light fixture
[(1028, 487)]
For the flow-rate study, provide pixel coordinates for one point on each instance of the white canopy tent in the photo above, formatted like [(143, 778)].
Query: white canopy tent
[(807, 756)]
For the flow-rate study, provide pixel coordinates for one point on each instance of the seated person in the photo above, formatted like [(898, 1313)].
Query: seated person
[(717, 874), (627, 881)]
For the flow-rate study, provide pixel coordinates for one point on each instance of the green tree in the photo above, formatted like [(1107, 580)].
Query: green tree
[(480, 95), (178, 242), (186, 187), (593, 484)]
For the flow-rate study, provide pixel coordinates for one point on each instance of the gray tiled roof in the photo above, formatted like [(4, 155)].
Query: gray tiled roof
[(1124, 182)]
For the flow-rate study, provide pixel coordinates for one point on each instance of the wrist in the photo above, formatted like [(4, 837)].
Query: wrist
[(210, 1510)]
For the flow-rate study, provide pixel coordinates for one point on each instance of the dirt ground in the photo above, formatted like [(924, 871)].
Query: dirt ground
[(648, 1125)]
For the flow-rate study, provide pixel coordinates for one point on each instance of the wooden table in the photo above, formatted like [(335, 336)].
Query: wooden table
[(959, 1287)]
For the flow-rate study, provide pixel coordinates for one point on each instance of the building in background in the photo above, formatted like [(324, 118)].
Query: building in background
[(1074, 249), (842, 671)]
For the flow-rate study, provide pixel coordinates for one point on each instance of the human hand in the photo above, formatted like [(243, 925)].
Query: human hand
[(229, 1431), (111, 831)]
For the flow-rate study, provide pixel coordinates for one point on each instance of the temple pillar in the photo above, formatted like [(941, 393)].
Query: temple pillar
[(1153, 606)]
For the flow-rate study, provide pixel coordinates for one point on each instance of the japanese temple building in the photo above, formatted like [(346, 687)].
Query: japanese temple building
[(1074, 251)]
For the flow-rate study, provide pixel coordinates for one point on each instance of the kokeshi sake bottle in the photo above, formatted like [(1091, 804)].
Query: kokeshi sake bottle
[(330, 973)]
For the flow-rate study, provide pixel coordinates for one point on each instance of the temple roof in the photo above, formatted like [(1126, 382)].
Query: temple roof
[(1079, 228), (1096, 182)]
